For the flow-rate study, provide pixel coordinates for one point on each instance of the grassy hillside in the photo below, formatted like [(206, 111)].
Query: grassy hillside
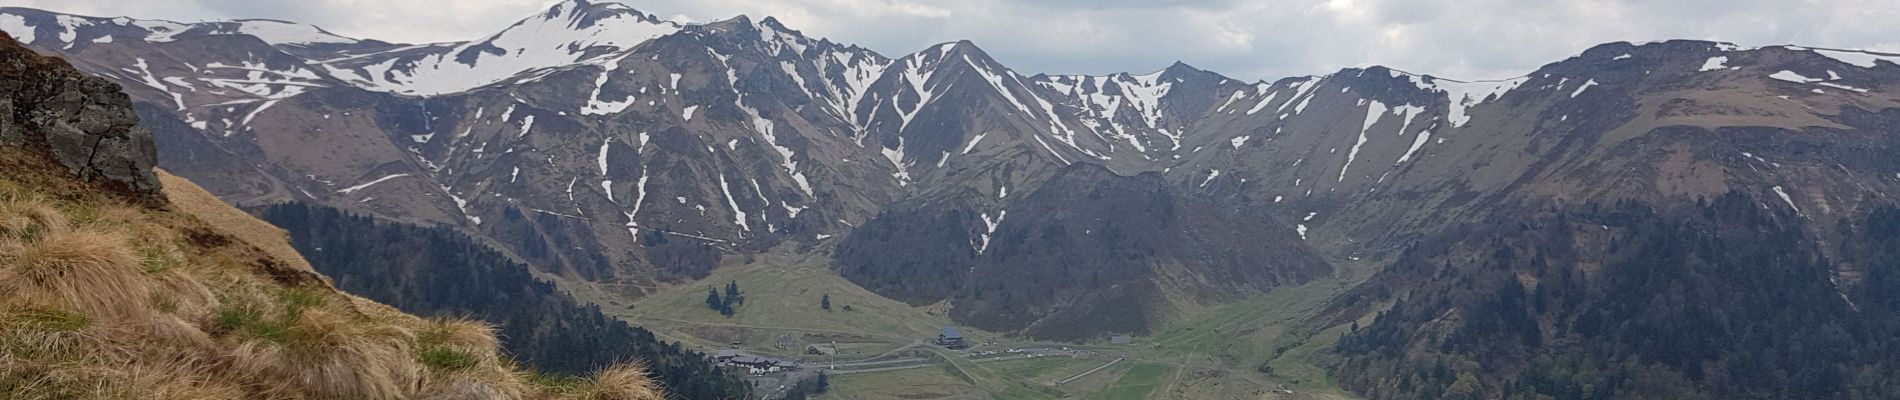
[(103, 298), (783, 290)]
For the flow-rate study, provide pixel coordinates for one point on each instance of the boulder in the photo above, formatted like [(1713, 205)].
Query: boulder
[(84, 122)]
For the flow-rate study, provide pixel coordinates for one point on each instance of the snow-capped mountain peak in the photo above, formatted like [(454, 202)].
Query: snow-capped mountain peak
[(567, 33), (71, 31), (281, 32)]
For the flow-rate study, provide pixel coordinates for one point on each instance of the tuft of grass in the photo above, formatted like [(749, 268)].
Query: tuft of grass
[(297, 299), (94, 272), (82, 213), (24, 218), (323, 355), (176, 292), (250, 322), (460, 334), (157, 259), (462, 361), (448, 360), (624, 382), (556, 382), (46, 320), (53, 335), (456, 345)]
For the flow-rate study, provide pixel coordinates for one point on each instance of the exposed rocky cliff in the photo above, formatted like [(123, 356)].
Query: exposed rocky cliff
[(83, 121)]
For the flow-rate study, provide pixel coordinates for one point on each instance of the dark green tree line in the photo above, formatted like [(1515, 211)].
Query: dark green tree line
[(439, 272)]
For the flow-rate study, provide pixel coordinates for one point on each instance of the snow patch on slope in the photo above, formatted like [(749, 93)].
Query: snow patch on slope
[(596, 106), (364, 185), (1796, 77), (1586, 86), (280, 32), (973, 142), (16, 25), (989, 228), (1417, 143), (1785, 198), (1714, 64), (738, 216), (896, 156), (601, 159), (1466, 95), (1374, 110), (1211, 174), (1858, 58)]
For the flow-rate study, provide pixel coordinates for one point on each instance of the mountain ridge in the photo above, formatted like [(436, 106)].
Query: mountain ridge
[(741, 135)]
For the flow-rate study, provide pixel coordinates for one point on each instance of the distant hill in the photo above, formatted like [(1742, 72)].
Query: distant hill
[(1723, 299)]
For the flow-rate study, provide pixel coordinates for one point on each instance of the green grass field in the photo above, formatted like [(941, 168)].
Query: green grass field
[(1236, 339), (1043, 371), (1137, 382), (1296, 369), (783, 291), (960, 378), (921, 383), (1212, 351)]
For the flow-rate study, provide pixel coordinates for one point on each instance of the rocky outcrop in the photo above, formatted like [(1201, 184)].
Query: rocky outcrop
[(82, 121)]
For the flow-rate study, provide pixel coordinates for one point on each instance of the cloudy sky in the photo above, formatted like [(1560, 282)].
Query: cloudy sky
[(1257, 39)]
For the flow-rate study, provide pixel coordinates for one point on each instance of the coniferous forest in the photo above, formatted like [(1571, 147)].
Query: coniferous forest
[(1719, 300), (439, 272)]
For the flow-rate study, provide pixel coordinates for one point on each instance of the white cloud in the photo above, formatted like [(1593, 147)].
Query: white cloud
[(1473, 39)]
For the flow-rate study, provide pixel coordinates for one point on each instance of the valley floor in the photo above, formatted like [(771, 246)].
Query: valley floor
[(880, 348)]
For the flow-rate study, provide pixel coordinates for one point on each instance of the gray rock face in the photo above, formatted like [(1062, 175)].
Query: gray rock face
[(85, 122)]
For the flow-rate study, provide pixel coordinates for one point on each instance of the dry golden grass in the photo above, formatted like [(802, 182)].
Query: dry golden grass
[(323, 355), (93, 272), (190, 199), (102, 299), (53, 335), (173, 291), (462, 362), (26, 219), (461, 335), (626, 382)]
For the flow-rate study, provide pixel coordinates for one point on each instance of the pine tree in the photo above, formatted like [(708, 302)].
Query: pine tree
[(732, 294), (713, 301), (825, 302)]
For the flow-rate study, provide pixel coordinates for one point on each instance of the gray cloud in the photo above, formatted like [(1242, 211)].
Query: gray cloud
[(1474, 39)]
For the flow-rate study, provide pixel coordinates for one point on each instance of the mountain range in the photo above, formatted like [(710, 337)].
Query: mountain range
[(601, 144)]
